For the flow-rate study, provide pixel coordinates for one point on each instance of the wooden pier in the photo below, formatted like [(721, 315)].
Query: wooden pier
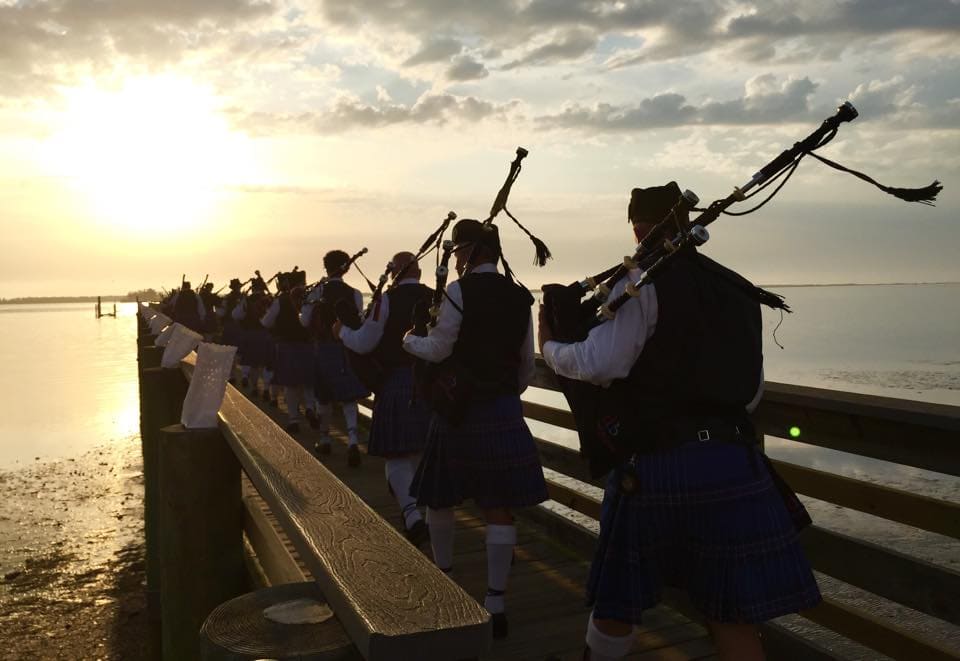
[(304, 519)]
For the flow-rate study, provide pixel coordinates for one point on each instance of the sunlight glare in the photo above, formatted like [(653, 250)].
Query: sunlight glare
[(153, 155)]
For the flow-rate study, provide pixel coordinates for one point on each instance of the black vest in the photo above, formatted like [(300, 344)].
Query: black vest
[(288, 327), (185, 311), (496, 317), (706, 355), (325, 311), (403, 299)]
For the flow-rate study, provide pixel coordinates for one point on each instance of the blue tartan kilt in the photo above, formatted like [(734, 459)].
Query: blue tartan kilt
[(706, 518), (400, 420), (334, 380), (294, 366), (490, 457), (257, 348), (231, 334)]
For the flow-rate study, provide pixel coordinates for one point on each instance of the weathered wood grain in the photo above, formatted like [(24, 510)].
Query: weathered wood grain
[(920, 585), (390, 598), (868, 425), (933, 514)]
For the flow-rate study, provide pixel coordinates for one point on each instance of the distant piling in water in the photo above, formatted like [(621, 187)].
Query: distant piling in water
[(99, 310)]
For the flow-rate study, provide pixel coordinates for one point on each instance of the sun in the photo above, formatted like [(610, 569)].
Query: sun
[(153, 154)]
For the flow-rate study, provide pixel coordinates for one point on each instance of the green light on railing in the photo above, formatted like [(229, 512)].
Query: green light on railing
[(794, 432)]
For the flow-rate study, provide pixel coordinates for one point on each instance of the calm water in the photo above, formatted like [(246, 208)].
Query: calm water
[(68, 381)]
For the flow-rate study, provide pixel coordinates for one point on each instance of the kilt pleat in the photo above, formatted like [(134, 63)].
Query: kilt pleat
[(706, 518), (335, 380), (490, 457), (256, 348), (400, 420), (294, 366), (231, 334)]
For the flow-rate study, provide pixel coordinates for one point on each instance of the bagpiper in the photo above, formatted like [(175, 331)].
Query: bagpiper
[(484, 333), (692, 502), (398, 429), (335, 381)]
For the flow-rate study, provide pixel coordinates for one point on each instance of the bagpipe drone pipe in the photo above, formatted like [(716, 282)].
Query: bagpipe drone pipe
[(446, 386), (571, 318)]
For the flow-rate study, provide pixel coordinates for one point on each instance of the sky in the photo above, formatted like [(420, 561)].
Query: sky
[(145, 139)]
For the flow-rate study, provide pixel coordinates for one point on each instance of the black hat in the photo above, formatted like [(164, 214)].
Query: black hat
[(298, 278), (651, 205), (335, 260), (235, 283), (469, 231)]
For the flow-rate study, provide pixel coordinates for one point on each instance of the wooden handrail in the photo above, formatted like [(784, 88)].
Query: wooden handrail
[(867, 425), (393, 602)]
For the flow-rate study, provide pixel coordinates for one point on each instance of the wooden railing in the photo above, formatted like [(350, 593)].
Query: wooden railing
[(909, 433), (389, 598)]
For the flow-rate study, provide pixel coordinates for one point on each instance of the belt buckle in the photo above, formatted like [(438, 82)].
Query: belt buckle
[(703, 435)]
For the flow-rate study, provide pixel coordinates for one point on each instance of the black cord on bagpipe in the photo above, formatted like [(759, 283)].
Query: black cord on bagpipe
[(787, 162)]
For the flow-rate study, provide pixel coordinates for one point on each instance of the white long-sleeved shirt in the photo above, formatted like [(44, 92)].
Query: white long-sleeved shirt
[(612, 348), (269, 318), (306, 310), (365, 339), (439, 342)]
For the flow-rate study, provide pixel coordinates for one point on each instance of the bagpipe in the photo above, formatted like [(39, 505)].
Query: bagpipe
[(571, 318), (445, 385)]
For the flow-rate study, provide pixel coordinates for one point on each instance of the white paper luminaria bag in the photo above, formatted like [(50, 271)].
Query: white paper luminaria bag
[(208, 385), (164, 337), (182, 341), (158, 323)]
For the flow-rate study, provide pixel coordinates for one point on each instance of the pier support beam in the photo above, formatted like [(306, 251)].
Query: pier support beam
[(201, 546), (161, 402)]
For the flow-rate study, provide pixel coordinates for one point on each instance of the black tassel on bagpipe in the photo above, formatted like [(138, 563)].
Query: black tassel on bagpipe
[(925, 195)]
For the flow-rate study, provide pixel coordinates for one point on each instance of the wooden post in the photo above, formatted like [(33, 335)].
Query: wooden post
[(238, 630), (161, 401), (146, 340), (201, 547)]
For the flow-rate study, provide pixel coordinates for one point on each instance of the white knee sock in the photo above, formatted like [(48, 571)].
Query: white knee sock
[(350, 418), (441, 524), (604, 647), (292, 396), (324, 411), (400, 475), (500, 542)]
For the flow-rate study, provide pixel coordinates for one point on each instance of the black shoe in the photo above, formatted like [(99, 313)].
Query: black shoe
[(292, 428), (322, 448), (312, 419), (353, 456), (418, 533), (499, 621)]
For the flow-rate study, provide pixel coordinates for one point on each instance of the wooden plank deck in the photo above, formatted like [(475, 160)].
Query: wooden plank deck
[(545, 596)]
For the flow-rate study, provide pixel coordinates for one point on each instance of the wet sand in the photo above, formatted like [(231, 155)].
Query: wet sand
[(72, 557)]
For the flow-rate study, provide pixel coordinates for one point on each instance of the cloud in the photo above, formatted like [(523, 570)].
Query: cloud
[(764, 102), (347, 113), (436, 50), (466, 68), (569, 45), (43, 44)]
